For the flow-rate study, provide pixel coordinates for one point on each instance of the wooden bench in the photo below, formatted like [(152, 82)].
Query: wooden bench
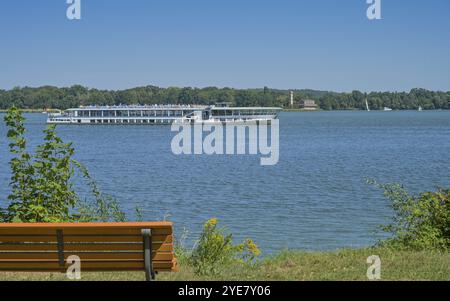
[(100, 246)]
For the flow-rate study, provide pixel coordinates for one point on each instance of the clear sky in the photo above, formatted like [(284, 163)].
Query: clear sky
[(317, 44)]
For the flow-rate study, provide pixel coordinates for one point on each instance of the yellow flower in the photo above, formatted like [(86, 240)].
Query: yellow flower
[(252, 247), (212, 222)]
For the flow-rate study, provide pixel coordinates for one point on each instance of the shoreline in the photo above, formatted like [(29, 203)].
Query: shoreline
[(36, 111)]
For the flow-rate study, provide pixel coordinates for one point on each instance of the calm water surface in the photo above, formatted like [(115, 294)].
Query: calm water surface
[(316, 198)]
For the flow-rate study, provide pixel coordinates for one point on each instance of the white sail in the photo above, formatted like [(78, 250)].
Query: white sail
[(367, 106)]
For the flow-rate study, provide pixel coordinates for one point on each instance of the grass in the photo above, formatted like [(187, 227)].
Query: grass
[(349, 264)]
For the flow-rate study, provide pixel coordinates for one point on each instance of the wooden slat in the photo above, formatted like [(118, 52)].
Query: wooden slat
[(158, 256), (139, 225), (86, 247), (155, 238), (167, 247), (83, 231), (111, 238), (87, 238), (175, 267)]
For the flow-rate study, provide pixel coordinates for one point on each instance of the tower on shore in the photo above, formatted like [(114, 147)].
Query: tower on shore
[(292, 99)]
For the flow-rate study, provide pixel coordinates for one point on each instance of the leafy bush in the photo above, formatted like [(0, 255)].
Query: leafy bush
[(41, 184), (420, 222), (215, 249)]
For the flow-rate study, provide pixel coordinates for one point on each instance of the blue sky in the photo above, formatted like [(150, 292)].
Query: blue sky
[(317, 44)]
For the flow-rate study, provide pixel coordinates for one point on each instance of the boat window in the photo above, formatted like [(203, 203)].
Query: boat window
[(135, 113), (108, 113)]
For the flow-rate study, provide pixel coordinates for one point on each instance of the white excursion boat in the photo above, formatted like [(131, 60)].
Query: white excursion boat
[(231, 115), (162, 114), (387, 109)]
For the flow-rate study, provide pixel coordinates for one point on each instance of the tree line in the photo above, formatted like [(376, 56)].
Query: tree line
[(49, 97)]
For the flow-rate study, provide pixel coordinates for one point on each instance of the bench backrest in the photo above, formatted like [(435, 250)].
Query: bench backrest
[(100, 246)]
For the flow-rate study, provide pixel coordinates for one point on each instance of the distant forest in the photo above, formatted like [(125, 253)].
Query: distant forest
[(49, 97)]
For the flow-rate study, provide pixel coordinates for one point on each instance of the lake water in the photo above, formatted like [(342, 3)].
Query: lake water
[(316, 198)]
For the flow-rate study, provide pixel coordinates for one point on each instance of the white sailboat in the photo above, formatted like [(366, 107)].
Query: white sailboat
[(367, 106), (420, 109)]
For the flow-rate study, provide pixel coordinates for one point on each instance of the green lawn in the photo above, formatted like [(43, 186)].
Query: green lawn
[(295, 265)]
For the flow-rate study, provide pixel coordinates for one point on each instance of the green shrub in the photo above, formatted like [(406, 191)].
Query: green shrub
[(420, 222), (41, 187), (215, 250), (41, 183)]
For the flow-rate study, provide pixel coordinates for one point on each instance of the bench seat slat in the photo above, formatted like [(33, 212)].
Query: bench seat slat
[(84, 238), (168, 247), (159, 256), (136, 225), (82, 231)]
